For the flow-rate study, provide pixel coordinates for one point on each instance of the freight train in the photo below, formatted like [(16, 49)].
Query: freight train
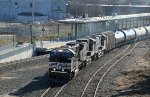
[(66, 60)]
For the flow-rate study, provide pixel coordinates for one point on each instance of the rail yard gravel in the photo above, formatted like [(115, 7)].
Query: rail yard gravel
[(75, 87), (130, 76), (22, 77), (28, 78), (110, 84)]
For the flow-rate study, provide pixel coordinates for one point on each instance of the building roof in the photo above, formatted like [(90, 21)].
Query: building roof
[(104, 18), (129, 5)]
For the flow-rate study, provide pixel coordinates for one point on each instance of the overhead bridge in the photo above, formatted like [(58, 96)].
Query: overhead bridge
[(85, 26)]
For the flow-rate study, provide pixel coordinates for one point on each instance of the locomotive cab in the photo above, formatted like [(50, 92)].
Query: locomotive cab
[(62, 62)]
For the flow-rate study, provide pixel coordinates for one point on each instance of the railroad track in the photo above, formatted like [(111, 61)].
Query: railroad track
[(97, 76), (94, 82), (52, 88)]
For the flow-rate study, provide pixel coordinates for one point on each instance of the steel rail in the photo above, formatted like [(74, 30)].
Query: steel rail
[(110, 68), (99, 70)]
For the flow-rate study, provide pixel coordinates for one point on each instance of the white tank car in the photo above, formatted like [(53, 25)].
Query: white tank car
[(129, 34), (140, 32), (120, 37), (148, 30)]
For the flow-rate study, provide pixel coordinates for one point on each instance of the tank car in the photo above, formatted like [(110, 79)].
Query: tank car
[(130, 35), (140, 33), (119, 37), (148, 31)]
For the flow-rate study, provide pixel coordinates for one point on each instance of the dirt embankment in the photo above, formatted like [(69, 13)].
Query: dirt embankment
[(136, 78)]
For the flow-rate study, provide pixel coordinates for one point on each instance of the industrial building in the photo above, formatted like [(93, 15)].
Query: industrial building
[(25, 10)]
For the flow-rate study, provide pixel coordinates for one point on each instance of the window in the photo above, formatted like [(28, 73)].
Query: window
[(16, 4), (31, 5)]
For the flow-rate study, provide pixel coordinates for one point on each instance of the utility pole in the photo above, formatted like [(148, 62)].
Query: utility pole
[(32, 22), (33, 5), (76, 9), (58, 32), (42, 36)]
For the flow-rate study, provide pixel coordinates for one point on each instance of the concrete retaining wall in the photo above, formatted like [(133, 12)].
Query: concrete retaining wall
[(17, 54)]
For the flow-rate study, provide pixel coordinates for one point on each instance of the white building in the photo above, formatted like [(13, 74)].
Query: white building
[(21, 10)]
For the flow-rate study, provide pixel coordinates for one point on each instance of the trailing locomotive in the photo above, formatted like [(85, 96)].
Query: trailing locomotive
[(69, 59)]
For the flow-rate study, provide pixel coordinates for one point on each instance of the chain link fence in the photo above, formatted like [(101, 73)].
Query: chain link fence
[(22, 32), (7, 39)]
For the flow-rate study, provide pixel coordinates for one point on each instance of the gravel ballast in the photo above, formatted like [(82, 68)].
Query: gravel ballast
[(129, 77), (75, 87), (126, 77), (23, 77)]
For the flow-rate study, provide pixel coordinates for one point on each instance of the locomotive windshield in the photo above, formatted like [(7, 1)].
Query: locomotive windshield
[(82, 41), (63, 57)]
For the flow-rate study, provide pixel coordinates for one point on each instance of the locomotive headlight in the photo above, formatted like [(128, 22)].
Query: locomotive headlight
[(63, 70), (54, 69)]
